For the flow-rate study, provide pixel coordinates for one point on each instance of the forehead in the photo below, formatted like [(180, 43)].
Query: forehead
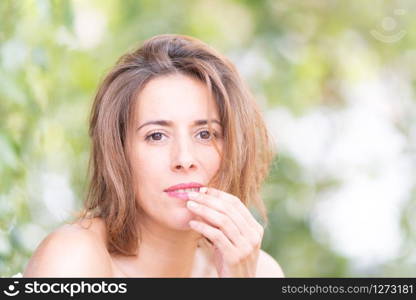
[(175, 97)]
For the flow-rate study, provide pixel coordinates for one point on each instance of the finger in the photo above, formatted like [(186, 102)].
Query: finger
[(219, 205), (219, 220), (222, 206), (253, 234), (238, 205), (216, 236)]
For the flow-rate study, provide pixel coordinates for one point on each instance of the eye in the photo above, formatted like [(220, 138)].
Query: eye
[(155, 136), (206, 134)]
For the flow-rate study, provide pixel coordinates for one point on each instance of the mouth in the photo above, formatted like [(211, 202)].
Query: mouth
[(181, 190), (181, 193), (185, 190), (184, 187)]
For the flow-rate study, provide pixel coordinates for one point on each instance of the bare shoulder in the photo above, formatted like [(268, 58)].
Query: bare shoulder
[(70, 251), (267, 266)]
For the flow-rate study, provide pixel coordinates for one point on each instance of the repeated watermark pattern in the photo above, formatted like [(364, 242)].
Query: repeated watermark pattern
[(389, 30), (11, 289), (70, 289)]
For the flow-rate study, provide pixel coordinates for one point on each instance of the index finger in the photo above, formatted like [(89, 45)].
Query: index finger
[(235, 201)]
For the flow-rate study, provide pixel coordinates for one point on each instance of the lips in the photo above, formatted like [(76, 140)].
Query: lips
[(183, 186), (181, 190)]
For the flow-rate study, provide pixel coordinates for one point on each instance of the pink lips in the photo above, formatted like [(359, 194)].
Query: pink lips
[(173, 190), (183, 196)]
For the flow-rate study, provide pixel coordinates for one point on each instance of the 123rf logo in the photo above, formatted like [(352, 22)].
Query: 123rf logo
[(70, 289), (11, 289)]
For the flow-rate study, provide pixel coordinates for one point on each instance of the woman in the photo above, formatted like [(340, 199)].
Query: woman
[(179, 151)]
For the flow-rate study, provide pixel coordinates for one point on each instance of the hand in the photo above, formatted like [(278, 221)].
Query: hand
[(233, 231)]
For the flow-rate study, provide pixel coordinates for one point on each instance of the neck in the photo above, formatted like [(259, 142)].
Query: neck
[(164, 252)]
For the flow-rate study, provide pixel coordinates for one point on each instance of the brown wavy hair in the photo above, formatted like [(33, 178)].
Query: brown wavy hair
[(246, 155)]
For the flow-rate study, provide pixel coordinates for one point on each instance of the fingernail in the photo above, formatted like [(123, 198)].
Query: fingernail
[(193, 223), (203, 190), (192, 204)]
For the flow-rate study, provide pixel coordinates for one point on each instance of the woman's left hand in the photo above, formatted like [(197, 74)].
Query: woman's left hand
[(233, 231)]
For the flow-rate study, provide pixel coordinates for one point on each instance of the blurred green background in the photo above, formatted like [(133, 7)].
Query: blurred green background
[(335, 80)]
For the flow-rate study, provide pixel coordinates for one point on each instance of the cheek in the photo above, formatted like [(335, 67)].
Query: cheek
[(149, 166), (144, 166), (147, 172), (211, 161)]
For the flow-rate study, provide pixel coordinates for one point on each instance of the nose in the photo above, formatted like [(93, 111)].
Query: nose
[(183, 158)]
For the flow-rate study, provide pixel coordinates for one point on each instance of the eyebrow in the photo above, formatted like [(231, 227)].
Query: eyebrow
[(170, 123)]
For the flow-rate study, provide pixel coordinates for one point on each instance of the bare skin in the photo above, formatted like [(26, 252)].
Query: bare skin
[(172, 230), (83, 242)]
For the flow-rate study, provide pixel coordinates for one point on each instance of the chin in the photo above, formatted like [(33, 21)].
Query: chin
[(180, 219)]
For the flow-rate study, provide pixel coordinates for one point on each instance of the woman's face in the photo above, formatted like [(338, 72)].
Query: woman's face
[(177, 149)]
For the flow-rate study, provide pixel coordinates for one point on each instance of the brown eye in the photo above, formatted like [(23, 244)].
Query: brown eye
[(156, 136), (205, 134)]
